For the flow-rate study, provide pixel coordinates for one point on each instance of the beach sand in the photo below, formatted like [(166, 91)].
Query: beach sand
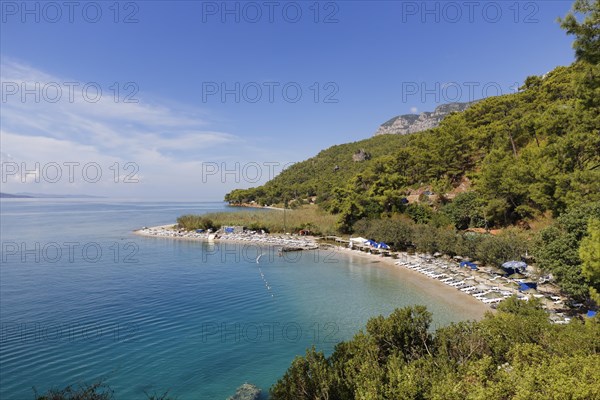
[(432, 287), (437, 290)]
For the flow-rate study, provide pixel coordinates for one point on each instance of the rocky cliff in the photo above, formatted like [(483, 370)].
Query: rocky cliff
[(411, 123)]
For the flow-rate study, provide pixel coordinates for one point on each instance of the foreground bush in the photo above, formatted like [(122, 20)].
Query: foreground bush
[(513, 354)]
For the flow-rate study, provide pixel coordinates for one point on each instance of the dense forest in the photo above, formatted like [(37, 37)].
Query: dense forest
[(522, 155)]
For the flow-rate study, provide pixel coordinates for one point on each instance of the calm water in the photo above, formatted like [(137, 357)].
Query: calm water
[(82, 299)]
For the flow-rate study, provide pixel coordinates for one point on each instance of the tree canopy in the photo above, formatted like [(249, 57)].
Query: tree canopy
[(516, 353)]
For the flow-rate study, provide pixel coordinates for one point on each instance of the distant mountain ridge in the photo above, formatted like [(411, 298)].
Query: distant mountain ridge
[(13, 196), (412, 123)]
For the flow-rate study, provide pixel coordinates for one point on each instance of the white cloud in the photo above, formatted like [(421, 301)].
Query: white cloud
[(414, 110), (167, 142)]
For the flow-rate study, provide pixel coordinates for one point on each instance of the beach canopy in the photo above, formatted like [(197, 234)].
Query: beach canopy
[(524, 286), (591, 314), (372, 243), (514, 265), (360, 240), (383, 246)]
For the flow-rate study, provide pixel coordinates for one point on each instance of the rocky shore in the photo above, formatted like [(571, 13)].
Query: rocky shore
[(287, 241), (247, 391)]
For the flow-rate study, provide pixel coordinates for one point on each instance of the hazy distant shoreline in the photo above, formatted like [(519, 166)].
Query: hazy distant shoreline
[(47, 196)]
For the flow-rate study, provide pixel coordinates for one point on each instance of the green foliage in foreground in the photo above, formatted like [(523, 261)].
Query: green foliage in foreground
[(513, 354)]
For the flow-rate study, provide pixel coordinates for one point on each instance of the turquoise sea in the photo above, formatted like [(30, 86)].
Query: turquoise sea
[(82, 298)]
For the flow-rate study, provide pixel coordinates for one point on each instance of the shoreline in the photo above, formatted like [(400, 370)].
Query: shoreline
[(474, 292), (433, 288), (429, 286), (256, 206), (167, 232)]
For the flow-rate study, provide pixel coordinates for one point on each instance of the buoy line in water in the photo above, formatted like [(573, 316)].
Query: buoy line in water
[(263, 277)]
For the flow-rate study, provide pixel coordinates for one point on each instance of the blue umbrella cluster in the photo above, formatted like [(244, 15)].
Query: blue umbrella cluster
[(376, 245)]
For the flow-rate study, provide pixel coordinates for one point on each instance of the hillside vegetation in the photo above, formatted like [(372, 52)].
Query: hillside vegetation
[(526, 153)]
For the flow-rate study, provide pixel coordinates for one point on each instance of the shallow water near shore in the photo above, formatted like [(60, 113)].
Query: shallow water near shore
[(82, 298)]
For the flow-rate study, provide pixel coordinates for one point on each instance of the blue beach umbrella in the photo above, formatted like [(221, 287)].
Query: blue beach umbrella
[(372, 243), (524, 286), (514, 265)]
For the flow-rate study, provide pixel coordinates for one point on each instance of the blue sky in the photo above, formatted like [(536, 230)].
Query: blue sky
[(355, 63)]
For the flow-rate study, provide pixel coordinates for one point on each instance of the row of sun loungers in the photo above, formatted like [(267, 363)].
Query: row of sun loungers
[(491, 292), (449, 275)]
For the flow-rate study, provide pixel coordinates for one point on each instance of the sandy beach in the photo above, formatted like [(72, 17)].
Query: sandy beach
[(433, 287)]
